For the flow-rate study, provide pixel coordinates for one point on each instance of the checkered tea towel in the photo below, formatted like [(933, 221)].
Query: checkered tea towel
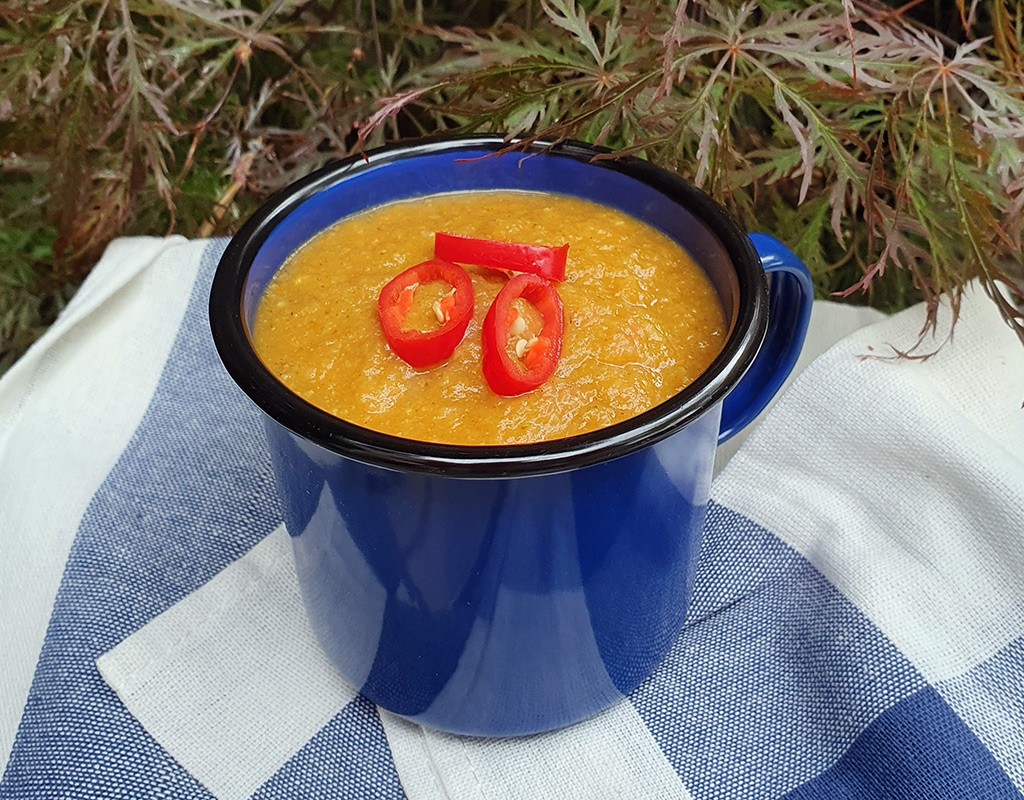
[(855, 631)]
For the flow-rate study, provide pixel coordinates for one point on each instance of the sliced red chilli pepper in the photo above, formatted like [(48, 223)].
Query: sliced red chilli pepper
[(422, 349), (510, 375), (548, 262)]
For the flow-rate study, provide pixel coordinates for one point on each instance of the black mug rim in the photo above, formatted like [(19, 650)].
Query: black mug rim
[(234, 343)]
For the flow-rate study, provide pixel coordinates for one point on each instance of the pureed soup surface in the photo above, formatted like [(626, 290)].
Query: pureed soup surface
[(642, 321)]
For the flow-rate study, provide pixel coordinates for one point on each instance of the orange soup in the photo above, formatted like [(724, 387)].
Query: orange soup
[(642, 321)]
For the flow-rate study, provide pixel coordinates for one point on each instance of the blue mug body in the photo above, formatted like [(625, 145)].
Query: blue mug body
[(500, 591)]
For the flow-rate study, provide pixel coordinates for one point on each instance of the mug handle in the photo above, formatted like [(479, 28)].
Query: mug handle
[(791, 293)]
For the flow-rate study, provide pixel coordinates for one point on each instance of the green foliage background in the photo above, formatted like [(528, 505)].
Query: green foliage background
[(882, 142)]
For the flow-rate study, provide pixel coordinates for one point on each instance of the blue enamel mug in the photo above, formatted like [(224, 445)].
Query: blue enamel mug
[(506, 590)]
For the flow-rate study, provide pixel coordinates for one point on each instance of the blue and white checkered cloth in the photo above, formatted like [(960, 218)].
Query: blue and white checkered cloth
[(857, 628)]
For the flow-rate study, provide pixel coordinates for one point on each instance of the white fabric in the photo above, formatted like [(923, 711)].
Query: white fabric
[(830, 322), (67, 409), (609, 756), (230, 680), (901, 481)]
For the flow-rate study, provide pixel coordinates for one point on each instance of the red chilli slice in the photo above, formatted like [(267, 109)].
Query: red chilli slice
[(509, 376), (535, 259), (424, 349)]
